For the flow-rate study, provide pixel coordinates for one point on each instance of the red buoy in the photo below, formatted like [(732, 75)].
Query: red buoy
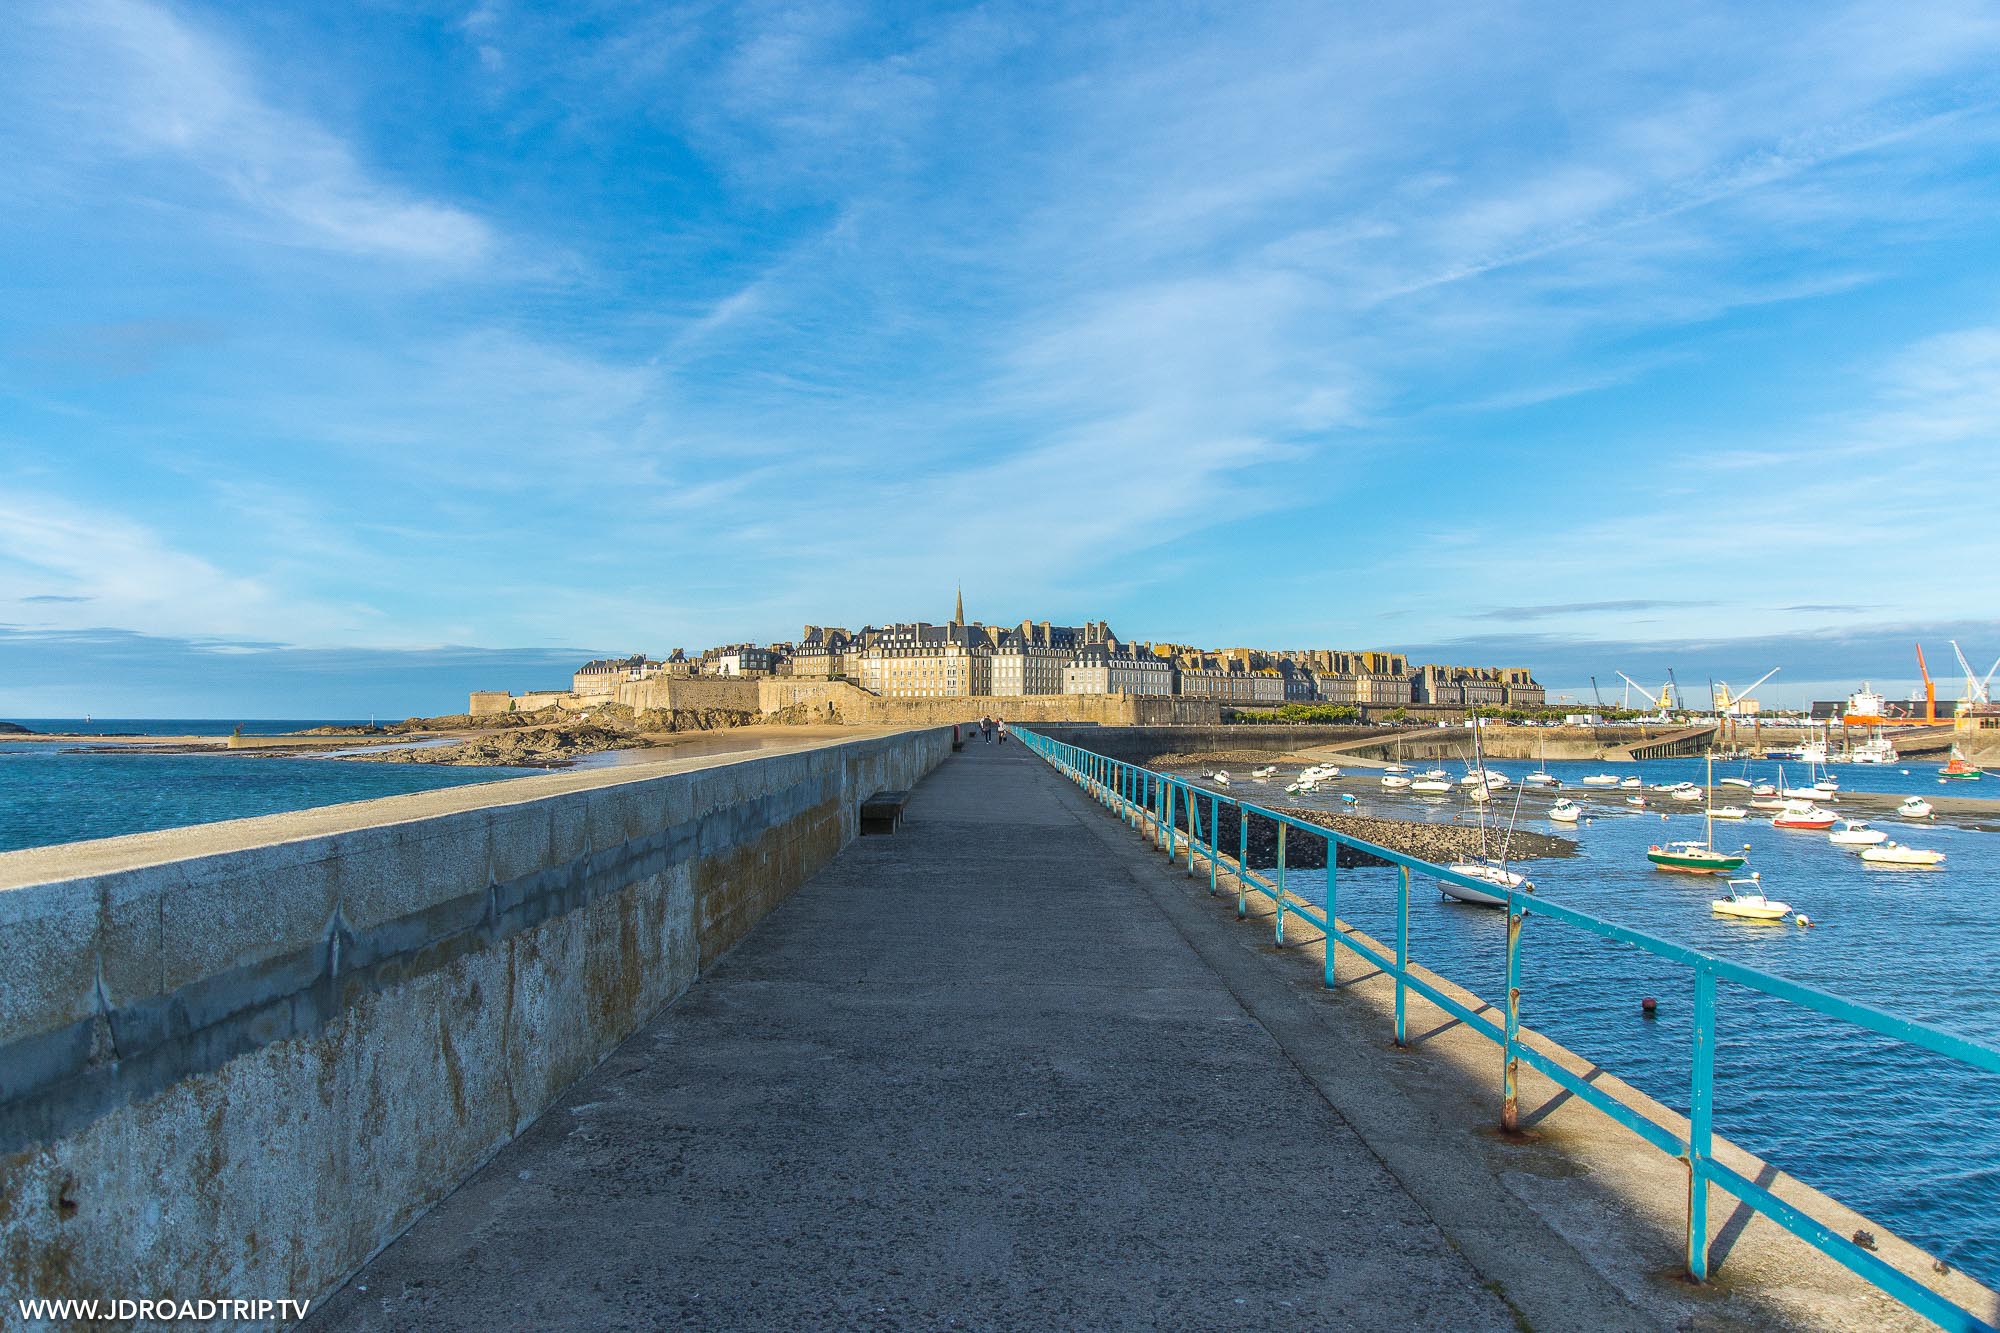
[(1649, 1007)]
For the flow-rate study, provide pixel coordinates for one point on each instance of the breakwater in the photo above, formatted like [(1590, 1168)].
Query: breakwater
[(1439, 842), (241, 1058)]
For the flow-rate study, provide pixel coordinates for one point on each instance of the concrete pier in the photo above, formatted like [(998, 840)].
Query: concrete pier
[(1008, 1068), (968, 1074)]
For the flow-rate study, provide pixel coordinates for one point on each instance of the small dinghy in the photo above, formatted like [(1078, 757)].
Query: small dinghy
[(1601, 780), (1914, 807)]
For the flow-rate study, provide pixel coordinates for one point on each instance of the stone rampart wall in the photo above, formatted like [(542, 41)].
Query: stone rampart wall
[(698, 693), (841, 701), (239, 1059)]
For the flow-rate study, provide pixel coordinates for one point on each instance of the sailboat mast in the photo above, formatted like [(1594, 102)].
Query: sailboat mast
[(1709, 821)]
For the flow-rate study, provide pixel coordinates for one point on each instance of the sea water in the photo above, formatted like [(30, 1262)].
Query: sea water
[(51, 792), (1907, 1138)]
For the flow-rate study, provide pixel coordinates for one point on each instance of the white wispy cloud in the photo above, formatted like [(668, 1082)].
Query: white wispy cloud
[(79, 566), (144, 83)]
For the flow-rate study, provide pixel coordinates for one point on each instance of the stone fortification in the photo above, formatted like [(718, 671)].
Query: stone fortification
[(240, 1058), (839, 701)]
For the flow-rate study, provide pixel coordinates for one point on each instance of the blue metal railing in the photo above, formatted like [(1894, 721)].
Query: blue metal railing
[(1169, 810)]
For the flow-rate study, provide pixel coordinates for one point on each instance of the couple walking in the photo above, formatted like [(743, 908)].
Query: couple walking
[(989, 727)]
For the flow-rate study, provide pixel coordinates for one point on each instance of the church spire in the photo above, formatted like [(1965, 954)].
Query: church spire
[(958, 612)]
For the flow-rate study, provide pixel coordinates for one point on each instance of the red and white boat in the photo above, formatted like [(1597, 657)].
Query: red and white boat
[(1804, 817)]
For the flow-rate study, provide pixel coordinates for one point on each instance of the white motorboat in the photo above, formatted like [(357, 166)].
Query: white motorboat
[(1896, 854), (1632, 783), (1764, 789), (1748, 902), (1496, 780), (1220, 776), (1565, 811), (1264, 772), (1635, 799), (1772, 802), (1856, 833), (1601, 780), (1394, 781), (1431, 785), (1914, 807), (1737, 782), (1877, 750), (1730, 812), (1807, 817), (1478, 794), (1687, 792)]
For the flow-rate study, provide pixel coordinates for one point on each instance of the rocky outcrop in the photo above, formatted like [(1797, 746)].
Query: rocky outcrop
[(1440, 843), (545, 747), (14, 729)]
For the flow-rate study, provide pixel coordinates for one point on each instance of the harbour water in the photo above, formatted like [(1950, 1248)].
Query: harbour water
[(1910, 1139), (52, 793)]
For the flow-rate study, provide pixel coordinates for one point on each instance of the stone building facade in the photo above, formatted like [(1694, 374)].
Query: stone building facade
[(1111, 668)]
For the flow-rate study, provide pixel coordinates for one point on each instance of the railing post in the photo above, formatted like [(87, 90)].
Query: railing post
[(1510, 1060), (1281, 883), (1332, 896), (1194, 828), (1701, 1108), (1214, 837), (1173, 830), (1402, 948), (1242, 860)]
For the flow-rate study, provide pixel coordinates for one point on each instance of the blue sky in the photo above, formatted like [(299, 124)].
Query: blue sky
[(356, 355)]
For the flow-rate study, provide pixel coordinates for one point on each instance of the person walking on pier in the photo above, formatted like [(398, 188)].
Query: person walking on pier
[(986, 729), (1000, 726)]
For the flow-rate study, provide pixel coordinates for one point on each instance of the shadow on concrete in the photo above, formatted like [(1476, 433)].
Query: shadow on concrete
[(1739, 1218)]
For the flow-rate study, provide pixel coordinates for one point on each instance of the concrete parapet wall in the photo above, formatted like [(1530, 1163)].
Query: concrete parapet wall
[(238, 1059)]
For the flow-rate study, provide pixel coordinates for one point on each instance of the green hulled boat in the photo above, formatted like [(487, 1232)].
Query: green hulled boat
[(1697, 858), (1693, 858)]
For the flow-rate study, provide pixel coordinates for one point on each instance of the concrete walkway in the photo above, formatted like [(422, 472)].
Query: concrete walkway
[(971, 1075)]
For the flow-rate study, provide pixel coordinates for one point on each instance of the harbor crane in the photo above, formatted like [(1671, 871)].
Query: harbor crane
[(1671, 696), (1728, 701), (1977, 689), (1662, 701)]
